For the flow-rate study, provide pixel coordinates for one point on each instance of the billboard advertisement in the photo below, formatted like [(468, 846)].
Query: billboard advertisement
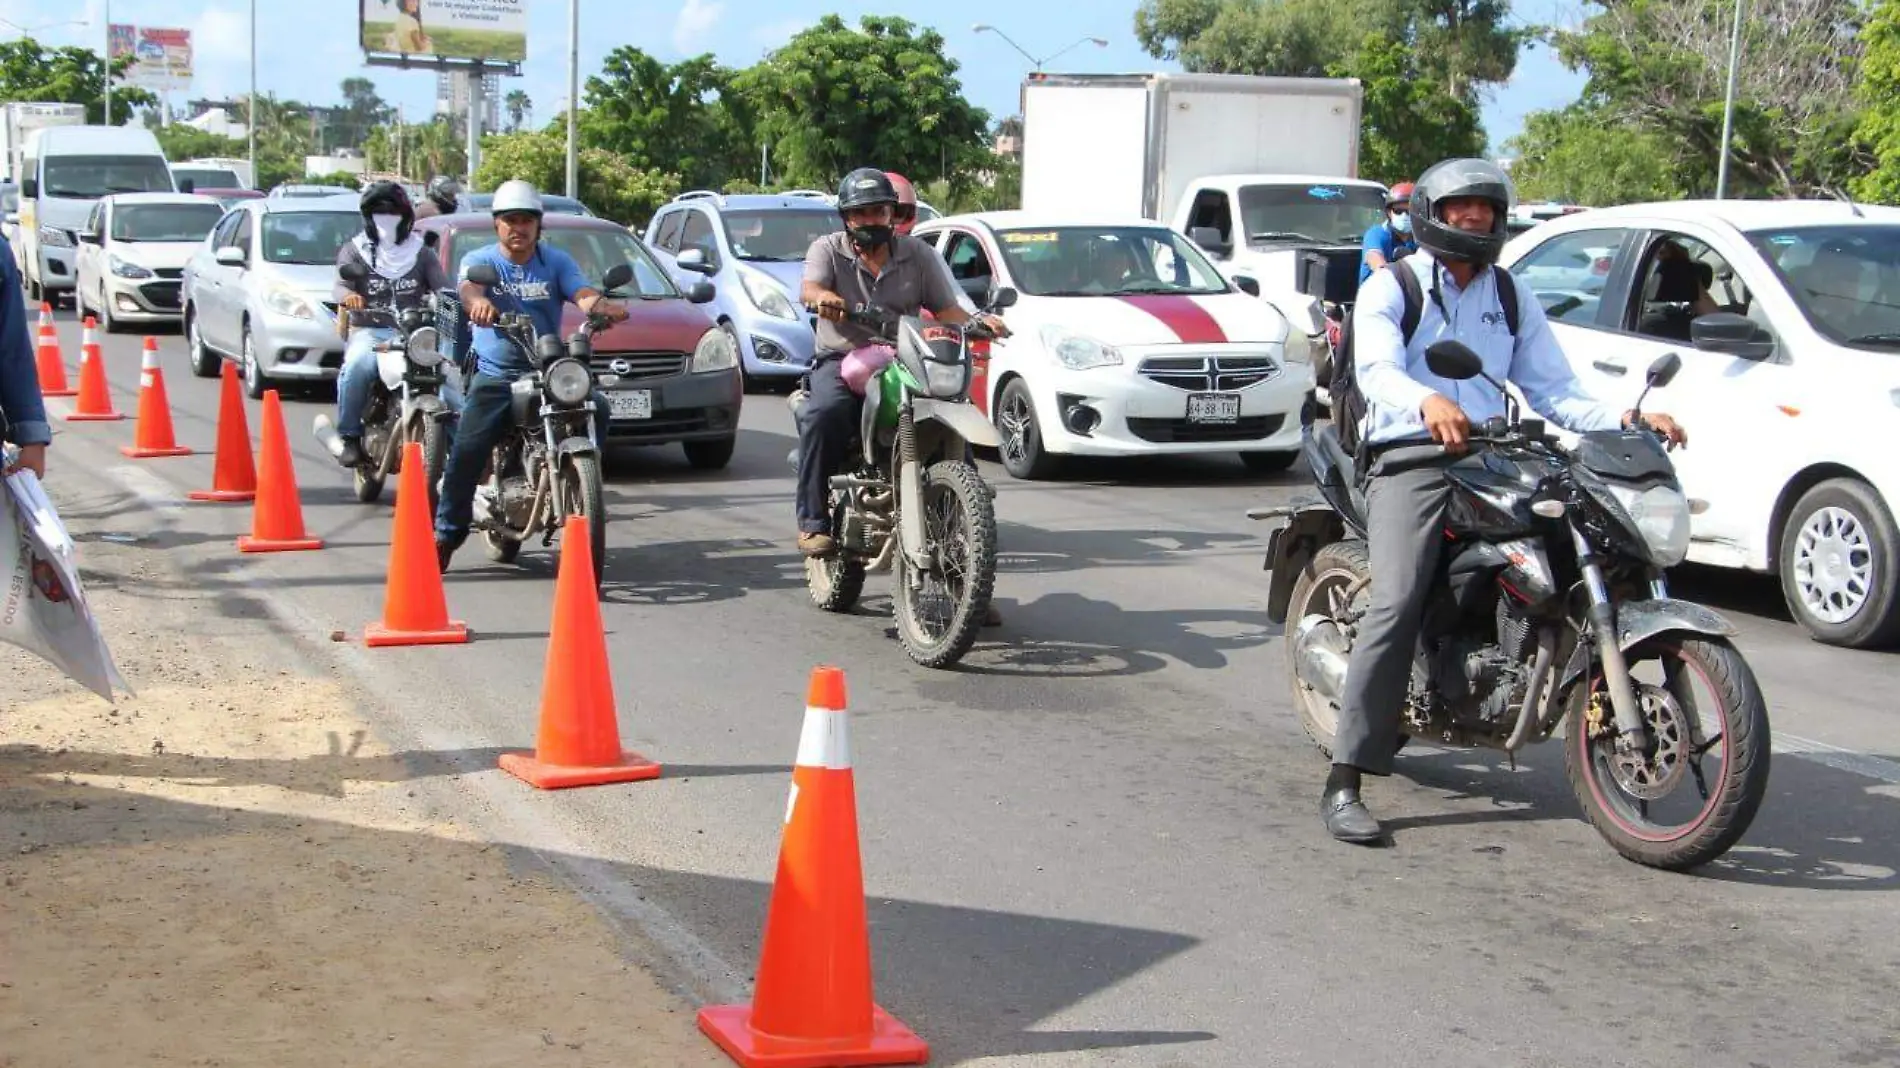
[(490, 31), (161, 57)]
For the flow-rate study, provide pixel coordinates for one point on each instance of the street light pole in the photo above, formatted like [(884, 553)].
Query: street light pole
[(1728, 102), (108, 14), (984, 27), (573, 97), (250, 112)]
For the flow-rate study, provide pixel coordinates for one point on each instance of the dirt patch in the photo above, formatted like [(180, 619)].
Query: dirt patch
[(228, 869)]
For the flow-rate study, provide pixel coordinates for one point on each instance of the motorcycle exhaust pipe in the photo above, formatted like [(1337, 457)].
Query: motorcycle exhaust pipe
[(1322, 668), (324, 430)]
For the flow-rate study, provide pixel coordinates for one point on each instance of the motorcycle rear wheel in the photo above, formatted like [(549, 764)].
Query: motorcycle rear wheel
[(369, 488), (1332, 570), (835, 582), (960, 527)]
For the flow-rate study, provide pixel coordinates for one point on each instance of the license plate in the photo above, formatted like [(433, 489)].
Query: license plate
[(630, 404), (1213, 408)]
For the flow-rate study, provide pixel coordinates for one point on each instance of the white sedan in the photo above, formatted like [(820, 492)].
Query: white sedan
[(1125, 341), (132, 255), (1787, 318)]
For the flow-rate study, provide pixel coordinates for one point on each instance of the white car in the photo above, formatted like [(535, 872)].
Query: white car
[(1126, 341), (1786, 315), (132, 255)]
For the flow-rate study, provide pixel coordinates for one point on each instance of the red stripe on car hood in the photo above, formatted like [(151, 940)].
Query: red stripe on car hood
[(1189, 321)]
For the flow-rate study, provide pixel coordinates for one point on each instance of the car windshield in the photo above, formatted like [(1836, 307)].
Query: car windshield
[(1095, 261), (597, 251), (1845, 279), (308, 236), (1331, 214), (92, 177), (777, 236), (208, 177), (164, 222)]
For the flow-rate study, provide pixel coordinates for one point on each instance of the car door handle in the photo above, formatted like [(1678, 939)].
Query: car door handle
[(1609, 367)]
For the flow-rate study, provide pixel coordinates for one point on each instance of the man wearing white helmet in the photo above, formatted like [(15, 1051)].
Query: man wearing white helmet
[(536, 280)]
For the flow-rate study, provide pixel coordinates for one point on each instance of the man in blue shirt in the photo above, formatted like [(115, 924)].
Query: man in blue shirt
[(1459, 212), (536, 280), (22, 409), (1390, 239)]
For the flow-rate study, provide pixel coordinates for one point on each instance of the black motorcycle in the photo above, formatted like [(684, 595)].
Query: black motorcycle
[(1550, 608)]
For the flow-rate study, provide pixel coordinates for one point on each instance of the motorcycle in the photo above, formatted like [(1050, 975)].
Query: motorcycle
[(405, 401), (1550, 595), (913, 501), (548, 464)]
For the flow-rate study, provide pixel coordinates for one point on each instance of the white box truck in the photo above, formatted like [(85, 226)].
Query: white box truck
[(1261, 172), (21, 118)]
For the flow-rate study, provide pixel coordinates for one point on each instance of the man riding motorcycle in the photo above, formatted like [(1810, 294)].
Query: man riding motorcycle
[(400, 267), (904, 215), (867, 263), (1458, 212), (537, 280), (1390, 239), (440, 198)]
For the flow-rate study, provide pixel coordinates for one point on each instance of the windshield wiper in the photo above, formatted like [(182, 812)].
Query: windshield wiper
[(1280, 235), (1890, 338)]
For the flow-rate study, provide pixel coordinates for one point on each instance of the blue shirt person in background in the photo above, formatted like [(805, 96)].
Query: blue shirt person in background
[(1391, 238), (537, 281), (21, 405)]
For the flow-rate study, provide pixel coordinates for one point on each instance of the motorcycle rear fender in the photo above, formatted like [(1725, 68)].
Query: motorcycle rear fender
[(1310, 525), (958, 416), (1639, 621)]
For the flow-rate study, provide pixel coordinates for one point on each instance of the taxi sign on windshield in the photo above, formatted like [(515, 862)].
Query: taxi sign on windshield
[(1023, 237)]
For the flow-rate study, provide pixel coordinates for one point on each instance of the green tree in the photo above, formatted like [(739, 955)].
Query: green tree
[(610, 185), (519, 106), (883, 94), (1410, 122), (68, 76), (681, 117), (1878, 129), (363, 111), (1583, 156), (182, 142), (423, 150)]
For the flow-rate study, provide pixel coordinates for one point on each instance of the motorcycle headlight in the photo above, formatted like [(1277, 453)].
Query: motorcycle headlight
[(767, 296), (54, 237), (1661, 516), (568, 381), (714, 352), (946, 381), (423, 347), (125, 268), (289, 302), (1078, 352)]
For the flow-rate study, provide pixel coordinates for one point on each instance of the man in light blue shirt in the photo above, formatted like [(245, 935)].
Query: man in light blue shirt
[(1459, 209), (1390, 239)]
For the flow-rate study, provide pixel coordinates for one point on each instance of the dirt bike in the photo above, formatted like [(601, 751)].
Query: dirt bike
[(405, 401), (1550, 594), (912, 500), (547, 465)]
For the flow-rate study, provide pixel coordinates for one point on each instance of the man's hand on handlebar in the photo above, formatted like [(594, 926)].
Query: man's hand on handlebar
[(1666, 428), (1448, 423), (611, 310), (352, 301), (994, 324), (830, 307), (481, 312)]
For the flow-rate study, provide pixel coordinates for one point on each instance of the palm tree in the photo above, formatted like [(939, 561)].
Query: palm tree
[(519, 108)]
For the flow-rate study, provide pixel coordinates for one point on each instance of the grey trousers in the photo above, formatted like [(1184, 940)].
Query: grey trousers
[(1405, 512)]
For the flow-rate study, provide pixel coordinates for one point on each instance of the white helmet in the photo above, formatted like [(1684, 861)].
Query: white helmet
[(516, 195)]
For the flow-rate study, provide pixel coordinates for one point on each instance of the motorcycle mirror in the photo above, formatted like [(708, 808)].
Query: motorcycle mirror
[(617, 276), (1005, 297), (1663, 371), (1453, 360), (484, 274), (353, 272)]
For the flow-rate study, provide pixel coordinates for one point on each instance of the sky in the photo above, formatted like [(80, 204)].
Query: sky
[(306, 47)]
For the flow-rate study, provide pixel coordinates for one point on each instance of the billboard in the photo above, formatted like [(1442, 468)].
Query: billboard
[(161, 58), (486, 31)]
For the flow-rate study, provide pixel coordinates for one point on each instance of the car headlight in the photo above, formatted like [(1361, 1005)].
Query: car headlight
[(714, 352), (1303, 348), (289, 302), (423, 347), (124, 268), (767, 296), (1661, 516), (569, 381), (54, 237), (1077, 352)]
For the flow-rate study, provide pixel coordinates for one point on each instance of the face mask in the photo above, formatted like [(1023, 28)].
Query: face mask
[(868, 238), (1402, 224), (386, 226)]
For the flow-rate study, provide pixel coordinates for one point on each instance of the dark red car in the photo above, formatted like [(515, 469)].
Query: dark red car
[(662, 384)]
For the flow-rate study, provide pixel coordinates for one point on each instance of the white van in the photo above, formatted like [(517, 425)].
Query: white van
[(66, 170)]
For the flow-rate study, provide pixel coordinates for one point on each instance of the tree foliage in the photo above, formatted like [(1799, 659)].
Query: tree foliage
[(68, 75), (423, 150), (1582, 155), (681, 117), (181, 142), (610, 184), (1878, 128)]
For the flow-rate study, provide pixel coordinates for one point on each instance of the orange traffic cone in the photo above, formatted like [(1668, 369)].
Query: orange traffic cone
[(415, 611), (52, 365), (95, 397), (812, 1005), (235, 476), (154, 435), (579, 740), (277, 518)]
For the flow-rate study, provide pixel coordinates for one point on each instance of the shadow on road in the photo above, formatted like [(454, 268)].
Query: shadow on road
[(1027, 550)]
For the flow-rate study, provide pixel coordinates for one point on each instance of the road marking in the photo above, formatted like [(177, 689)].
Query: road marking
[(152, 491), (1835, 757)]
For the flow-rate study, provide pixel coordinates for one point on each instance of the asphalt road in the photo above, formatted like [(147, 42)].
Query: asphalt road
[(1098, 841)]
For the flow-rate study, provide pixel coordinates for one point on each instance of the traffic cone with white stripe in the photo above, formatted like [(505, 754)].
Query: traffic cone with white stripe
[(95, 397), (154, 435), (812, 1004), (52, 365), (579, 739)]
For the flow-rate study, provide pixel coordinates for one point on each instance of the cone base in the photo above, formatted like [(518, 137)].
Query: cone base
[(890, 1042), (222, 496), (138, 453), (632, 768), (249, 544), (377, 636), (95, 417), (59, 393)]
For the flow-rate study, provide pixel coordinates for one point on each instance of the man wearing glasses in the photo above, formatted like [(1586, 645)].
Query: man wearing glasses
[(1390, 239)]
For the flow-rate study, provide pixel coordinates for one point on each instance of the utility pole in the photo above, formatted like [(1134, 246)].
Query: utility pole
[(1728, 102), (250, 116), (108, 13), (573, 97)]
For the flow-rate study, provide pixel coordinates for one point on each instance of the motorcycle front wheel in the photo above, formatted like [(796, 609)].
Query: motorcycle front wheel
[(939, 621), (435, 456), (1702, 703), (584, 498)]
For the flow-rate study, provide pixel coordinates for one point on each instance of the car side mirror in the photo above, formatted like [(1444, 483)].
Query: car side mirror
[(30, 189), (230, 256), (187, 185), (13, 218), (1453, 360), (90, 237), (484, 274), (977, 289), (617, 276), (701, 292), (1004, 297), (1209, 239), (1248, 285), (1731, 334), (694, 260)]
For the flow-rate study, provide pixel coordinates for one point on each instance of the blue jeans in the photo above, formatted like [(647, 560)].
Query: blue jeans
[(487, 413), (358, 376)]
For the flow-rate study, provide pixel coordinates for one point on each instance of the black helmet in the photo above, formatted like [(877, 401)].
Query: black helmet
[(387, 198), (864, 187), (1451, 180), (444, 191)]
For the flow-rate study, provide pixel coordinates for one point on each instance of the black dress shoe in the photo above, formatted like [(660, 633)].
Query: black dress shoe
[(352, 454), (1347, 818)]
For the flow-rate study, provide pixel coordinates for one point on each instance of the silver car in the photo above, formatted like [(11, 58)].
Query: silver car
[(258, 291)]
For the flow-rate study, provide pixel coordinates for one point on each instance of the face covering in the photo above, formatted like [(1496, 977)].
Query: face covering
[(868, 238), (386, 227), (1402, 224)]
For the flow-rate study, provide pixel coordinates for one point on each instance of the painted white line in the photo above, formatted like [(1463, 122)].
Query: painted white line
[(1834, 756), (152, 491)]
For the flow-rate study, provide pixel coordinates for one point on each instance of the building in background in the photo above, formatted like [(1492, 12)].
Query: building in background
[(451, 97)]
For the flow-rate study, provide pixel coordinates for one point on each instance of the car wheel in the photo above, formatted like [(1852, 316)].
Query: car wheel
[(711, 455), (1022, 449), (254, 381), (107, 324), (36, 291), (1839, 560), (204, 362)]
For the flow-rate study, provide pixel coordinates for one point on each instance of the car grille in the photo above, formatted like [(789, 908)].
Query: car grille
[(160, 294), (1182, 432), (1206, 374), (640, 365), (169, 273)]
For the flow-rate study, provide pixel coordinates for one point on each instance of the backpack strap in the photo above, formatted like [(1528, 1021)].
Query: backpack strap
[(1414, 300), (1507, 296)]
